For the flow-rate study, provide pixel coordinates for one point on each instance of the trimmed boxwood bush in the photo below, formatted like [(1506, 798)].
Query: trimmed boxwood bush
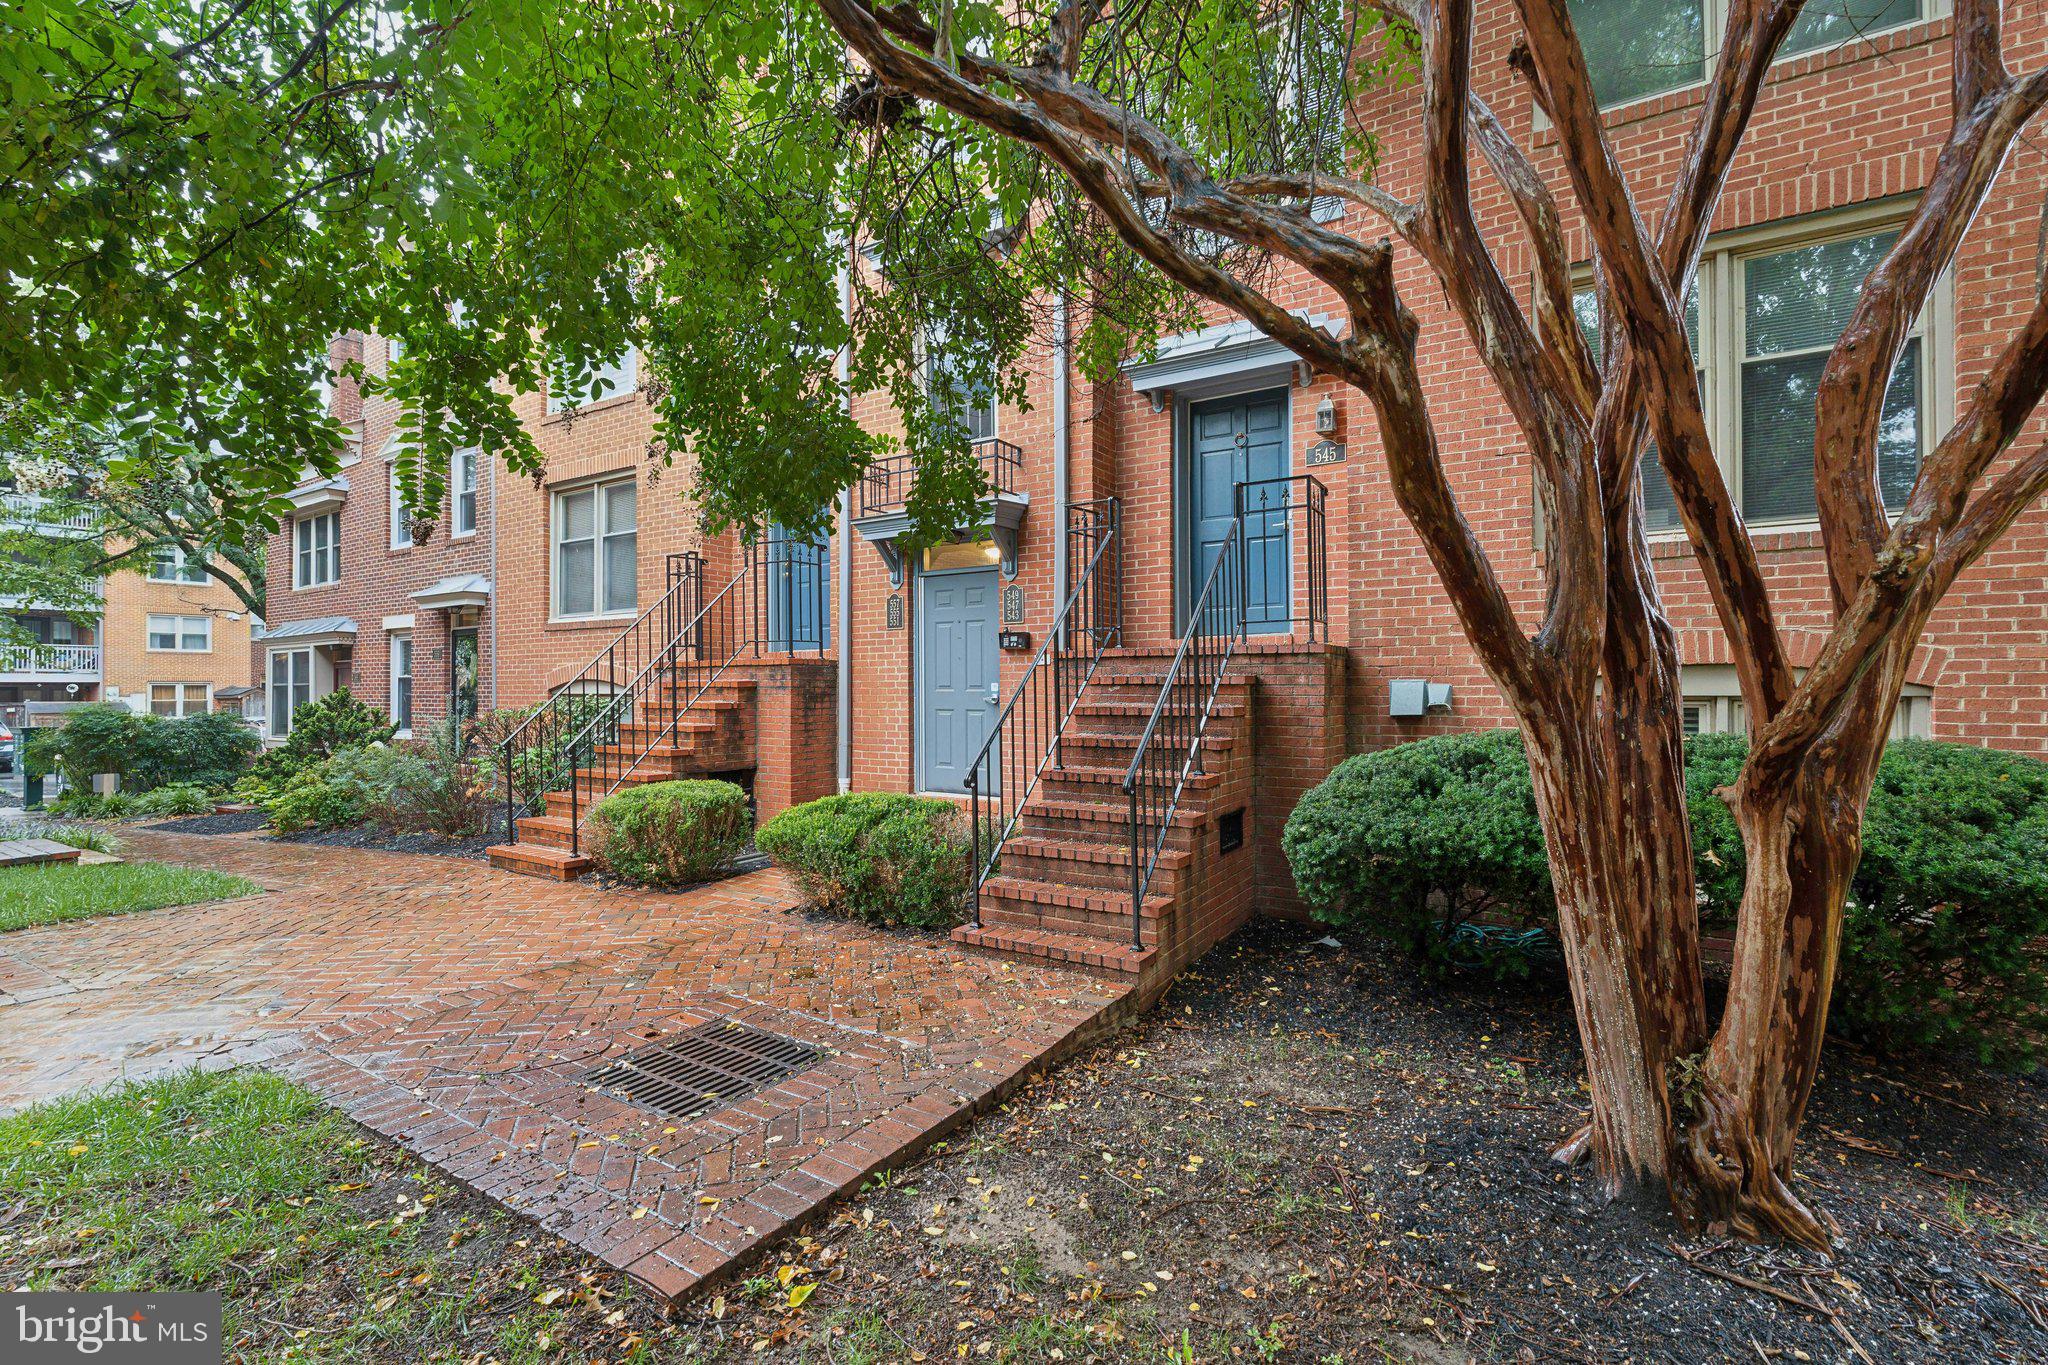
[(883, 857), (324, 727), (670, 833), (1945, 942), (209, 750)]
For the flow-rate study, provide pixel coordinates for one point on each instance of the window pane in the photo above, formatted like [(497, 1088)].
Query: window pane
[(1636, 48), (1777, 437), (195, 698), (1823, 23), (579, 515), (1799, 300), (1660, 508), (1898, 430), (574, 594), (197, 633), (621, 507), (621, 565), (163, 700)]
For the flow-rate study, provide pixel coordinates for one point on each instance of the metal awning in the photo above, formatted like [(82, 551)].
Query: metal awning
[(458, 590)]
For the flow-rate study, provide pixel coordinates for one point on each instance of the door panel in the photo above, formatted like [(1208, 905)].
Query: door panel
[(1233, 441), (957, 623)]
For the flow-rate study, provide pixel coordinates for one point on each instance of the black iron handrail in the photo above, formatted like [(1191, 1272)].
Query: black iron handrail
[(1170, 746), (886, 484), (1025, 738), (1266, 509), (599, 738)]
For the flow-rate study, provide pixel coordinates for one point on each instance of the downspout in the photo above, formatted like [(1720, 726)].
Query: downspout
[(843, 367), (497, 581), (1061, 441)]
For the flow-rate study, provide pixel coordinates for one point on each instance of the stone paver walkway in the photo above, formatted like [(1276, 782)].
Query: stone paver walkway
[(455, 1009)]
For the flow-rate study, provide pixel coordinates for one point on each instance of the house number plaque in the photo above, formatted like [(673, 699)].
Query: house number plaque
[(1013, 604), (894, 613), (1326, 452)]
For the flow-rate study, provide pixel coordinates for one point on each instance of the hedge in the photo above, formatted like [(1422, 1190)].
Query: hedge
[(1945, 942), (670, 833), (883, 857), (212, 749)]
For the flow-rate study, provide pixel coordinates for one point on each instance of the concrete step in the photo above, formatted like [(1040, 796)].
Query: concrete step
[(1077, 950), (537, 860)]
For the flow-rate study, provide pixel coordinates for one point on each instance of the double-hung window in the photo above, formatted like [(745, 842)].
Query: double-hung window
[(954, 391), (317, 558), (181, 634), (170, 564), (597, 563), (462, 492), (1764, 314), (607, 381), (178, 700), (401, 684), (291, 686), (1639, 48), (401, 519)]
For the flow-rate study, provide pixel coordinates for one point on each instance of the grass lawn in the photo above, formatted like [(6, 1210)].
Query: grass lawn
[(325, 1242), (50, 893)]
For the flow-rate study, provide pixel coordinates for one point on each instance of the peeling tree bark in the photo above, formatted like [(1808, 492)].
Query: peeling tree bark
[(1706, 1116)]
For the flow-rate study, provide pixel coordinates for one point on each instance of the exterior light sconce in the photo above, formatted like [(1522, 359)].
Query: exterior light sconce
[(1326, 417)]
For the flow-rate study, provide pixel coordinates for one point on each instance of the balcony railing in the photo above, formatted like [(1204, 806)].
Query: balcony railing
[(49, 660), (40, 513), (886, 485)]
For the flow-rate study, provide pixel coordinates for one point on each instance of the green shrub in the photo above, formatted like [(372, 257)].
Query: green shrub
[(347, 789), (179, 798), (670, 833), (212, 749), (323, 728), (83, 803), (447, 794), (1419, 840), (885, 857), (76, 836), (1945, 940)]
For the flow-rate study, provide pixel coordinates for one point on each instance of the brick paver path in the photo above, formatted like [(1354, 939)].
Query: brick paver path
[(455, 1008)]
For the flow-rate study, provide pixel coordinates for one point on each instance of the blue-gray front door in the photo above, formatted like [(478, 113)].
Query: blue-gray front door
[(1234, 441), (958, 682), (797, 583)]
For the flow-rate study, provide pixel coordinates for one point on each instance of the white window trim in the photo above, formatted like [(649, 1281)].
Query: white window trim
[(557, 404), (270, 658), (180, 559), (401, 525), (404, 731), (455, 528), (300, 579), (1715, 692), (177, 632), (1722, 315), (149, 698), (1714, 29), (598, 533)]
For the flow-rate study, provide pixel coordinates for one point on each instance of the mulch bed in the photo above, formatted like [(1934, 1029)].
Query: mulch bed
[(236, 822), (378, 840), (1310, 1148)]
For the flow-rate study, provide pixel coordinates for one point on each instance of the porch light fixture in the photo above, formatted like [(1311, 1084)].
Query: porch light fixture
[(1326, 417)]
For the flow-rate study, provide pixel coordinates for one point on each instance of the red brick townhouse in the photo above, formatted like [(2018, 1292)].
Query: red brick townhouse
[(1193, 592)]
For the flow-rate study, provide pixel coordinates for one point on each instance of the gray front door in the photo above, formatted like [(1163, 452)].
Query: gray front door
[(957, 689), (1234, 441)]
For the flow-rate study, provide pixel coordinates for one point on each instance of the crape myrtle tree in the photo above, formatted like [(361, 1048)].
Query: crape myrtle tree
[(1176, 123)]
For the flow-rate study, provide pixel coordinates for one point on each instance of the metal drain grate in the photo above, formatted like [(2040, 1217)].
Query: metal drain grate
[(703, 1069)]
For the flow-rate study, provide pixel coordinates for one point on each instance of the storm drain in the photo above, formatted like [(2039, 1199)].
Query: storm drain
[(705, 1068)]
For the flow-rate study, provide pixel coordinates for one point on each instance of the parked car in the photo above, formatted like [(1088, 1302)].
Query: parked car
[(6, 748)]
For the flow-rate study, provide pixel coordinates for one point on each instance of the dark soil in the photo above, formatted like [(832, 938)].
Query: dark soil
[(240, 822), (1306, 1152), (380, 840)]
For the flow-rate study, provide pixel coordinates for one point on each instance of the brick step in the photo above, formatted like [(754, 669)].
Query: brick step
[(1021, 891), (1102, 822), (1096, 747), (1225, 707), (1127, 680), (548, 831), (640, 733), (620, 755), (1111, 926), (1084, 862), (655, 707), (1090, 778), (1075, 950), (537, 860)]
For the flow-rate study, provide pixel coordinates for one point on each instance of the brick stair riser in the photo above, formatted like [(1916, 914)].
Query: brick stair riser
[(1105, 686), (1113, 829), (1097, 750), (515, 858), (1092, 784), (1095, 876), (1089, 955), (1118, 719), (548, 835), (1063, 919)]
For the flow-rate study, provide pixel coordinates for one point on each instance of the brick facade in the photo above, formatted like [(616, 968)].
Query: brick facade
[(1848, 129), (131, 667)]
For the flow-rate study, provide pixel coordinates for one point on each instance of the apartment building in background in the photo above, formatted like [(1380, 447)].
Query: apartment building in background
[(168, 638), (1192, 592)]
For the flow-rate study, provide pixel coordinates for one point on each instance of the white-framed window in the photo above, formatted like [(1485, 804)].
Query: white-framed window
[(317, 557), (607, 381), (401, 684), (401, 520), (1767, 307), (1639, 48), (462, 492), (394, 350), (596, 541), (170, 564), (968, 401), (1712, 705), (181, 634), (178, 700), (291, 686)]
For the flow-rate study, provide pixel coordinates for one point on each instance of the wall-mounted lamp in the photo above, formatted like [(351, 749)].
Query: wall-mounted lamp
[(1326, 417)]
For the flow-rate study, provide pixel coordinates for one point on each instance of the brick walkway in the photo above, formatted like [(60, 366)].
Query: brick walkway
[(454, 1008)]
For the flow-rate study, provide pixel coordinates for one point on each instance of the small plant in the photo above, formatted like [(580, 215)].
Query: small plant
[(450, 796), (75, 836), (179, 798), (670, 833), (884, 857), (83, 803)]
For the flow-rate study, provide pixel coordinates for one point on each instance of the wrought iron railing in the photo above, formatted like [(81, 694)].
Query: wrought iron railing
[(1025, 738), (600, 728), (1285, 524), (886, 484), (1170, 746)]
